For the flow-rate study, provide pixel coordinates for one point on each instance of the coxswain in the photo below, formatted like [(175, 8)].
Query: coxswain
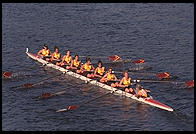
[(44, 53), (109, 78), (56, 56), (141, 92), (99, 71), (125, 82), (86, 68), (66, 60), (75, 64)]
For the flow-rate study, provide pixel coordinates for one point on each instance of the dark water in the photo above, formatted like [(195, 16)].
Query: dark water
[(162, 34)]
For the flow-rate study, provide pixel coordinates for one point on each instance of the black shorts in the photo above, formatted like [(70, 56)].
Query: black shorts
[(73, 70), (44, 57), (54, 61), (86, 73), (128, 88)]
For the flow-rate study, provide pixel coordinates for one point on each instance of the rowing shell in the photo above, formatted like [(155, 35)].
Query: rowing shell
[(148, 100)]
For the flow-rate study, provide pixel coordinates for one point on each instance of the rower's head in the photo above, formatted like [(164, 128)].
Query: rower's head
[(56, 49), (99, 64), (45, 47), (126, 74), (68, 53), (110, 70), (88, 61), (76, 57)]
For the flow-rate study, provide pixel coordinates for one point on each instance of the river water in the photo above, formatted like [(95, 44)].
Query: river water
[(162, 34)]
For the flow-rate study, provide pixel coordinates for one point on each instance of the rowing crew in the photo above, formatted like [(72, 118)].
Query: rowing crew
[(90, 71)]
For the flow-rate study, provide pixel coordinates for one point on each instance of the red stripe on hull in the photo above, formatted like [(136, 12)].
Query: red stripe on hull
[(156, 102)]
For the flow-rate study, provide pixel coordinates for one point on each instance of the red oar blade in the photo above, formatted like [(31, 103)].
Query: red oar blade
[(72, 107), (165, 75), (190, 83), (139, 61), (28, 85), (46, 95), (114, 58), (68, 109), (7, 74)]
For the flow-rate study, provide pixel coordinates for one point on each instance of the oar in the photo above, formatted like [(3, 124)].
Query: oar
[(12, 74), (189, 84), (72, 107), (7, 74), (159, 75), (98, 57), (139, 68), (49, 95), (117, 59), (29, 85)]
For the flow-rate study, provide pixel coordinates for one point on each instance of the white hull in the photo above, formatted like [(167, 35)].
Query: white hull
[(149, 101)]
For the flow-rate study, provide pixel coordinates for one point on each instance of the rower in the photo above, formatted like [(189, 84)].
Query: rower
[(75, 64), (86, 68), (44, 53), (99, 71), (126, 83), (109, 77), (141, 92), (66, 60), (56, 56)]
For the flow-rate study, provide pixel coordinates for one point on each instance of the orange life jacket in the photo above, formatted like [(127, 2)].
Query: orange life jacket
[(87, 67), (57, 55), (110, 76), (100, 70), (76, 63), (67, 59), (45, 52), (127, 82)]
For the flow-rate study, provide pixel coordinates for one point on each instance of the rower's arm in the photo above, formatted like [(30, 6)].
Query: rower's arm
[(95, 72), (82, 67), (120, 84), (115, 78), (105, 76), (60, 57), (63, 59), (52, 56), (147, 90), (121, 81), (72, 63), (93, 68), (40, 51)]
